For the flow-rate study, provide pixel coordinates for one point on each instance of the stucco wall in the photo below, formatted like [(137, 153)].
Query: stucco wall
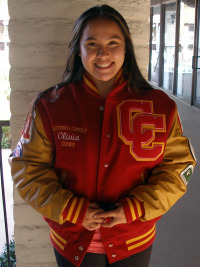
[(39, 31)]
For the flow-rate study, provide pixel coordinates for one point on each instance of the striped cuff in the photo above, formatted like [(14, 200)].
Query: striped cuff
[(133, 208), (75, 210)]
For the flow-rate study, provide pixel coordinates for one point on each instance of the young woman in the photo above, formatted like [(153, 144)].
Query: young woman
[(102, 156)]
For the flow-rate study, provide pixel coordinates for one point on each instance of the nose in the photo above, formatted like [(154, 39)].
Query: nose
[(103, 51)]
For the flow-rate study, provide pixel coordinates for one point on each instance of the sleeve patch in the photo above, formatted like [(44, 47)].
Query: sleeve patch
[(186, 174), (18, 150), (27, 131)]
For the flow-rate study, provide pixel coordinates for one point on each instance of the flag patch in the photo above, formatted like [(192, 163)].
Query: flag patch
[(186, 174), (27, 131), (18, 150)]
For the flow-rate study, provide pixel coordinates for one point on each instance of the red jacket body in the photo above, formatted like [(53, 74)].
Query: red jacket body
[(128, 147)]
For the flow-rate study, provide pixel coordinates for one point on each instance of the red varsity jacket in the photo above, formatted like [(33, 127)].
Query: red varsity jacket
[(128, 147)]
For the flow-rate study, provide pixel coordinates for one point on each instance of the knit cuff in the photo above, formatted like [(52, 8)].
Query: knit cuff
[(133, 208), (75, 210)]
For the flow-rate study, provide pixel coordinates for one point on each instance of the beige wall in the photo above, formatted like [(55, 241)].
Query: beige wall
[(39, 32)]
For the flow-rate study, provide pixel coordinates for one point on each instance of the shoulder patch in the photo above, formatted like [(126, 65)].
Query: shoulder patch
[(18, 150), (187, 173), (26, 134)]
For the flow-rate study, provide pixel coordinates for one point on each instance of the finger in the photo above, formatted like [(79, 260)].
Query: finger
[(97, 220), (93, 226), (93, 205), (93, 213), (89, 219), (105, 214), (109, 224)]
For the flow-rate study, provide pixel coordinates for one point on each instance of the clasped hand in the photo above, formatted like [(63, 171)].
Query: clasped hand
[(95, 217)]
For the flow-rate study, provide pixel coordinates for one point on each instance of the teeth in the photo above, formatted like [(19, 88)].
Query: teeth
[(104, 65)]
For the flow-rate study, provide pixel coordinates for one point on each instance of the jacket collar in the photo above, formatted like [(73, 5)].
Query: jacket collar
[(119, 84)]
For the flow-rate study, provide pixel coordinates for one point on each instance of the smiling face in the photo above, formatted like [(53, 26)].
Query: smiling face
[(102, 49)]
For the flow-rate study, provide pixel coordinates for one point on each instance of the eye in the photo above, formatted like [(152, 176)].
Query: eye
[(92, 44), (113, 43)]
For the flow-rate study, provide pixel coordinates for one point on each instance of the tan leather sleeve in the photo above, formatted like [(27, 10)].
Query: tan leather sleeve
[(35, 179), (168, 181)]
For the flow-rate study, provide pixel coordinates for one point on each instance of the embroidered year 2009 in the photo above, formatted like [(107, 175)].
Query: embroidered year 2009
[(137, 128)]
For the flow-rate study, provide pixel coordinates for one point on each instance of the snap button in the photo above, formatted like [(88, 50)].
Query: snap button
[(101, 108), (114, 255), (110, 245), (105, 164), (81, 248), (76, 258)]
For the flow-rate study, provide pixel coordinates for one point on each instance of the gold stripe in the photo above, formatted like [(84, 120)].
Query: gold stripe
[(71, 209), (141, 236), (119, 78), (78, 210), (56, 241), (118, 75), (131, 208), (59, 237), (142, 177), (142, 243), (138, 207), (90, 84)]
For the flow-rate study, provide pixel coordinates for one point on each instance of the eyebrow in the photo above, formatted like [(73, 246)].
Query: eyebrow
[(112, 37)]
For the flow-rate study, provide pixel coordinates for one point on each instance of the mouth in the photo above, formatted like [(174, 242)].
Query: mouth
[(103, 65)]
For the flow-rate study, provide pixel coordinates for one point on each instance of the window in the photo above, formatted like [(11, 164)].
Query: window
[(1, 27), (155, 45), (169, 46), (197, 95), (174, 63), (185, 54)]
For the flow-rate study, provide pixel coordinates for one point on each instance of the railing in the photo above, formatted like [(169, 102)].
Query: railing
[(2, 124)]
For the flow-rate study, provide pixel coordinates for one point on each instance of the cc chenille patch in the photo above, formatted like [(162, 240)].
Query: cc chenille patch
[(186, 174)]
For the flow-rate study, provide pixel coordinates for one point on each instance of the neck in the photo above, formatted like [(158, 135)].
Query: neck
[(104, 88)]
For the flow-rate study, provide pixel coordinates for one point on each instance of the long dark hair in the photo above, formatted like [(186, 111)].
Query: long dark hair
[(74, 68)]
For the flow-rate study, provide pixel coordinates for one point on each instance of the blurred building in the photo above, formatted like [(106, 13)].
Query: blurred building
[(4, 19), (4, 62)]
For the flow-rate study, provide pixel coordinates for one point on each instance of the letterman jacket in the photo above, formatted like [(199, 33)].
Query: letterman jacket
[(128, 147)]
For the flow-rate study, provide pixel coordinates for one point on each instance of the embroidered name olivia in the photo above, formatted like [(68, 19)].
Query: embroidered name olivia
[(66, 136)]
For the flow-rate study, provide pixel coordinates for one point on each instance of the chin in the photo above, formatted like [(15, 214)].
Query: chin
[(105, 79)]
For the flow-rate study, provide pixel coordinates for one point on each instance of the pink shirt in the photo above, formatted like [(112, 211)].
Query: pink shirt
[(96, 245)]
